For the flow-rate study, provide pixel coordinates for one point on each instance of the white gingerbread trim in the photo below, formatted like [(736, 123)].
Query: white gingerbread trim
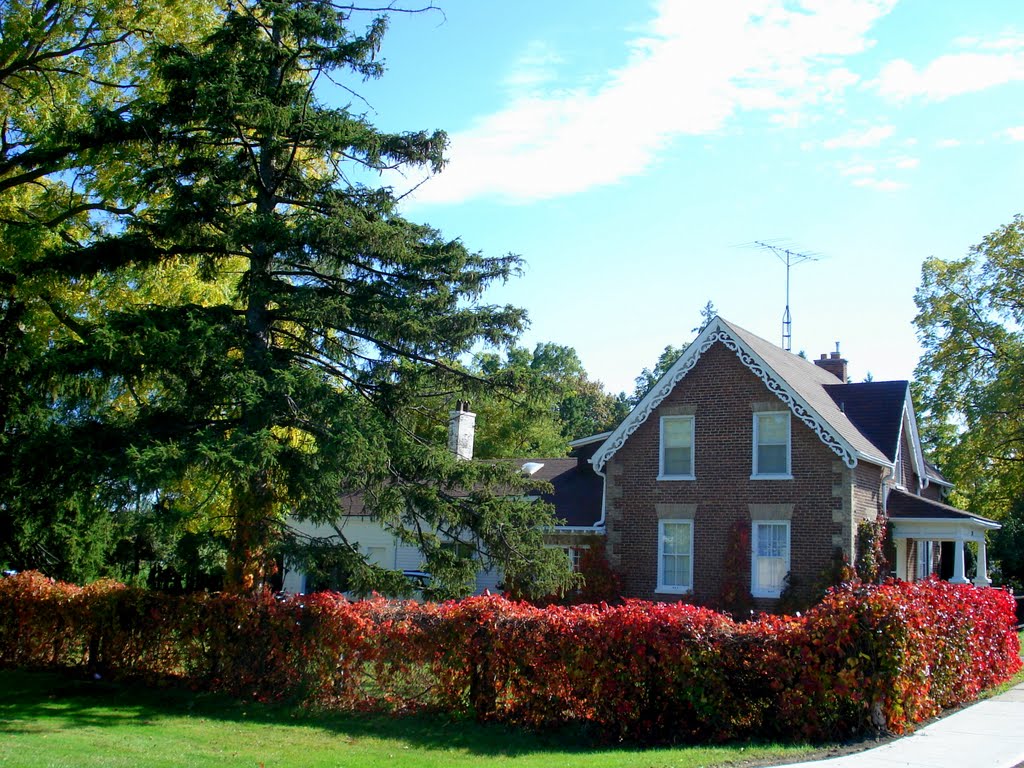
[(718, 331)]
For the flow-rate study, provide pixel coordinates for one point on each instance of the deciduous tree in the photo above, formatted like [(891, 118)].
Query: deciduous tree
[(970, 316)]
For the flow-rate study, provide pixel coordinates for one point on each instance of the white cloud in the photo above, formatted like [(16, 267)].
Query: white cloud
[(862, 169), (698, 65), (1015, 134), (885, 185), (876, 175), (869, 137), (534, 68), (947, 143), (1006, 41), (989, 64)]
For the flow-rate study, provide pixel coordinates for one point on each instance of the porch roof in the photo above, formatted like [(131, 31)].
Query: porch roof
[(908, 508)]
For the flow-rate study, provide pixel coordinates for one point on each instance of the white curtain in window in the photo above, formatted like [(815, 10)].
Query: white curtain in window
[(772, 556)]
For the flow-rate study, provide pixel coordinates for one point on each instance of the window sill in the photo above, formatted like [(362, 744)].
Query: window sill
[(676, 477), (766, 595), (662, 590), (771, 477)]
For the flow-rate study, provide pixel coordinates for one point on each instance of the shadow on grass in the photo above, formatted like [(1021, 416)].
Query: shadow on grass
[(32, 699)]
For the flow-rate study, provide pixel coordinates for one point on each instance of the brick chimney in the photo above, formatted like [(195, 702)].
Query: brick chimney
[(461, 429), (834, 364)]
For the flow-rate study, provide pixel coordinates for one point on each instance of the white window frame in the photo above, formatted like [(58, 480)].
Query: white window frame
[(756, 589), (573, 553), (676, 589), (756, 474), (925, 555), (662, 475)]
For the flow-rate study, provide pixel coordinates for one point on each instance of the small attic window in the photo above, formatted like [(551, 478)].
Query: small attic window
[(531, 468)]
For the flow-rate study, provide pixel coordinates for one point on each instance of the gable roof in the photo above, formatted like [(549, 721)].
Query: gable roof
[(798, 383), (876, 409)]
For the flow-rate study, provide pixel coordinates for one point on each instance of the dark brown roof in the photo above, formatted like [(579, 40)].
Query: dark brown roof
[(577, 490), (576, 496), (935, 474), (875, 408), (353, 504), (906, 506)]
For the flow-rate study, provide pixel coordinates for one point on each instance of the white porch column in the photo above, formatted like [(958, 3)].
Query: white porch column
[(901, 559), (958, 564), (981, 579)]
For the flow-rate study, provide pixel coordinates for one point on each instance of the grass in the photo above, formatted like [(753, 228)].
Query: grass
[(50, 721), (1013, 681)]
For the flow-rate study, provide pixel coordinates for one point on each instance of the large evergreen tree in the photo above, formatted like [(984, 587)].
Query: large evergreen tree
[(69, 73), (307, 379)]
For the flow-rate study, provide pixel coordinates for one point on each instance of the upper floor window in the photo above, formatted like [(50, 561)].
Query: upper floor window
[(675, 556), (770, 562), (771, 445), (676, 462)]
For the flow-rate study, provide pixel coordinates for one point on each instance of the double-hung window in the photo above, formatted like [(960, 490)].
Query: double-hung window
[(770, 557), (675, 556), (572, 553), (676, 460), (771, 445)]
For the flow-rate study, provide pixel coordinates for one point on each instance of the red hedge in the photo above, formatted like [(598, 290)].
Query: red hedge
[(866, 658)]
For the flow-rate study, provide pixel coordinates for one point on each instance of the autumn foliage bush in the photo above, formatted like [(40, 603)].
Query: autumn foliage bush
[(865, 658)]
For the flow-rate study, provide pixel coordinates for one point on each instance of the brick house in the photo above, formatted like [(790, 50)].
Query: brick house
[(737, 431), (741, 431)]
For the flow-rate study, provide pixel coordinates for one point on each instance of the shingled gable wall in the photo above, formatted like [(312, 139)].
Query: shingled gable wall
[(823, 498)]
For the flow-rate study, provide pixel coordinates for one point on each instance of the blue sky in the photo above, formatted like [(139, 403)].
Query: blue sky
[(629, 151)]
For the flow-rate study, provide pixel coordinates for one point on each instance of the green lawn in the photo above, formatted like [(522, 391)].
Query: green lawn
[(51, 721)]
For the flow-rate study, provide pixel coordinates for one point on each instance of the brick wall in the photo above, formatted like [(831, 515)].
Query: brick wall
[(722, 395)]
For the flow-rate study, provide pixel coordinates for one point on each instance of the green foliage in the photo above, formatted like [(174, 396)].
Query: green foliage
[(1008, 550), (650, 376), (72, 72), (546, 400), (865, 659), (970, 315), (309, 326)]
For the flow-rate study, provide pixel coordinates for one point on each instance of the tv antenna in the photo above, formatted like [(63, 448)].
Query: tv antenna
[(790, 259)]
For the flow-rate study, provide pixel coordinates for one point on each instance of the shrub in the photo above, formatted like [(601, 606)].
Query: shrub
[(871, 563), (866, 658)]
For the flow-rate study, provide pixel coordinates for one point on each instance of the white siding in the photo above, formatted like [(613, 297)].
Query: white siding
[(368, 534)]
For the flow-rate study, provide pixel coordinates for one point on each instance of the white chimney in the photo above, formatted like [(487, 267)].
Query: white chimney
[(461, 428)]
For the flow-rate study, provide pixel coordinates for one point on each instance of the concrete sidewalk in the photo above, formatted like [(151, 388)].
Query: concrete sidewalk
[(989, 734)]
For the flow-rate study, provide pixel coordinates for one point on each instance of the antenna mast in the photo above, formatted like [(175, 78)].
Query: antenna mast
[(790, 259)]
